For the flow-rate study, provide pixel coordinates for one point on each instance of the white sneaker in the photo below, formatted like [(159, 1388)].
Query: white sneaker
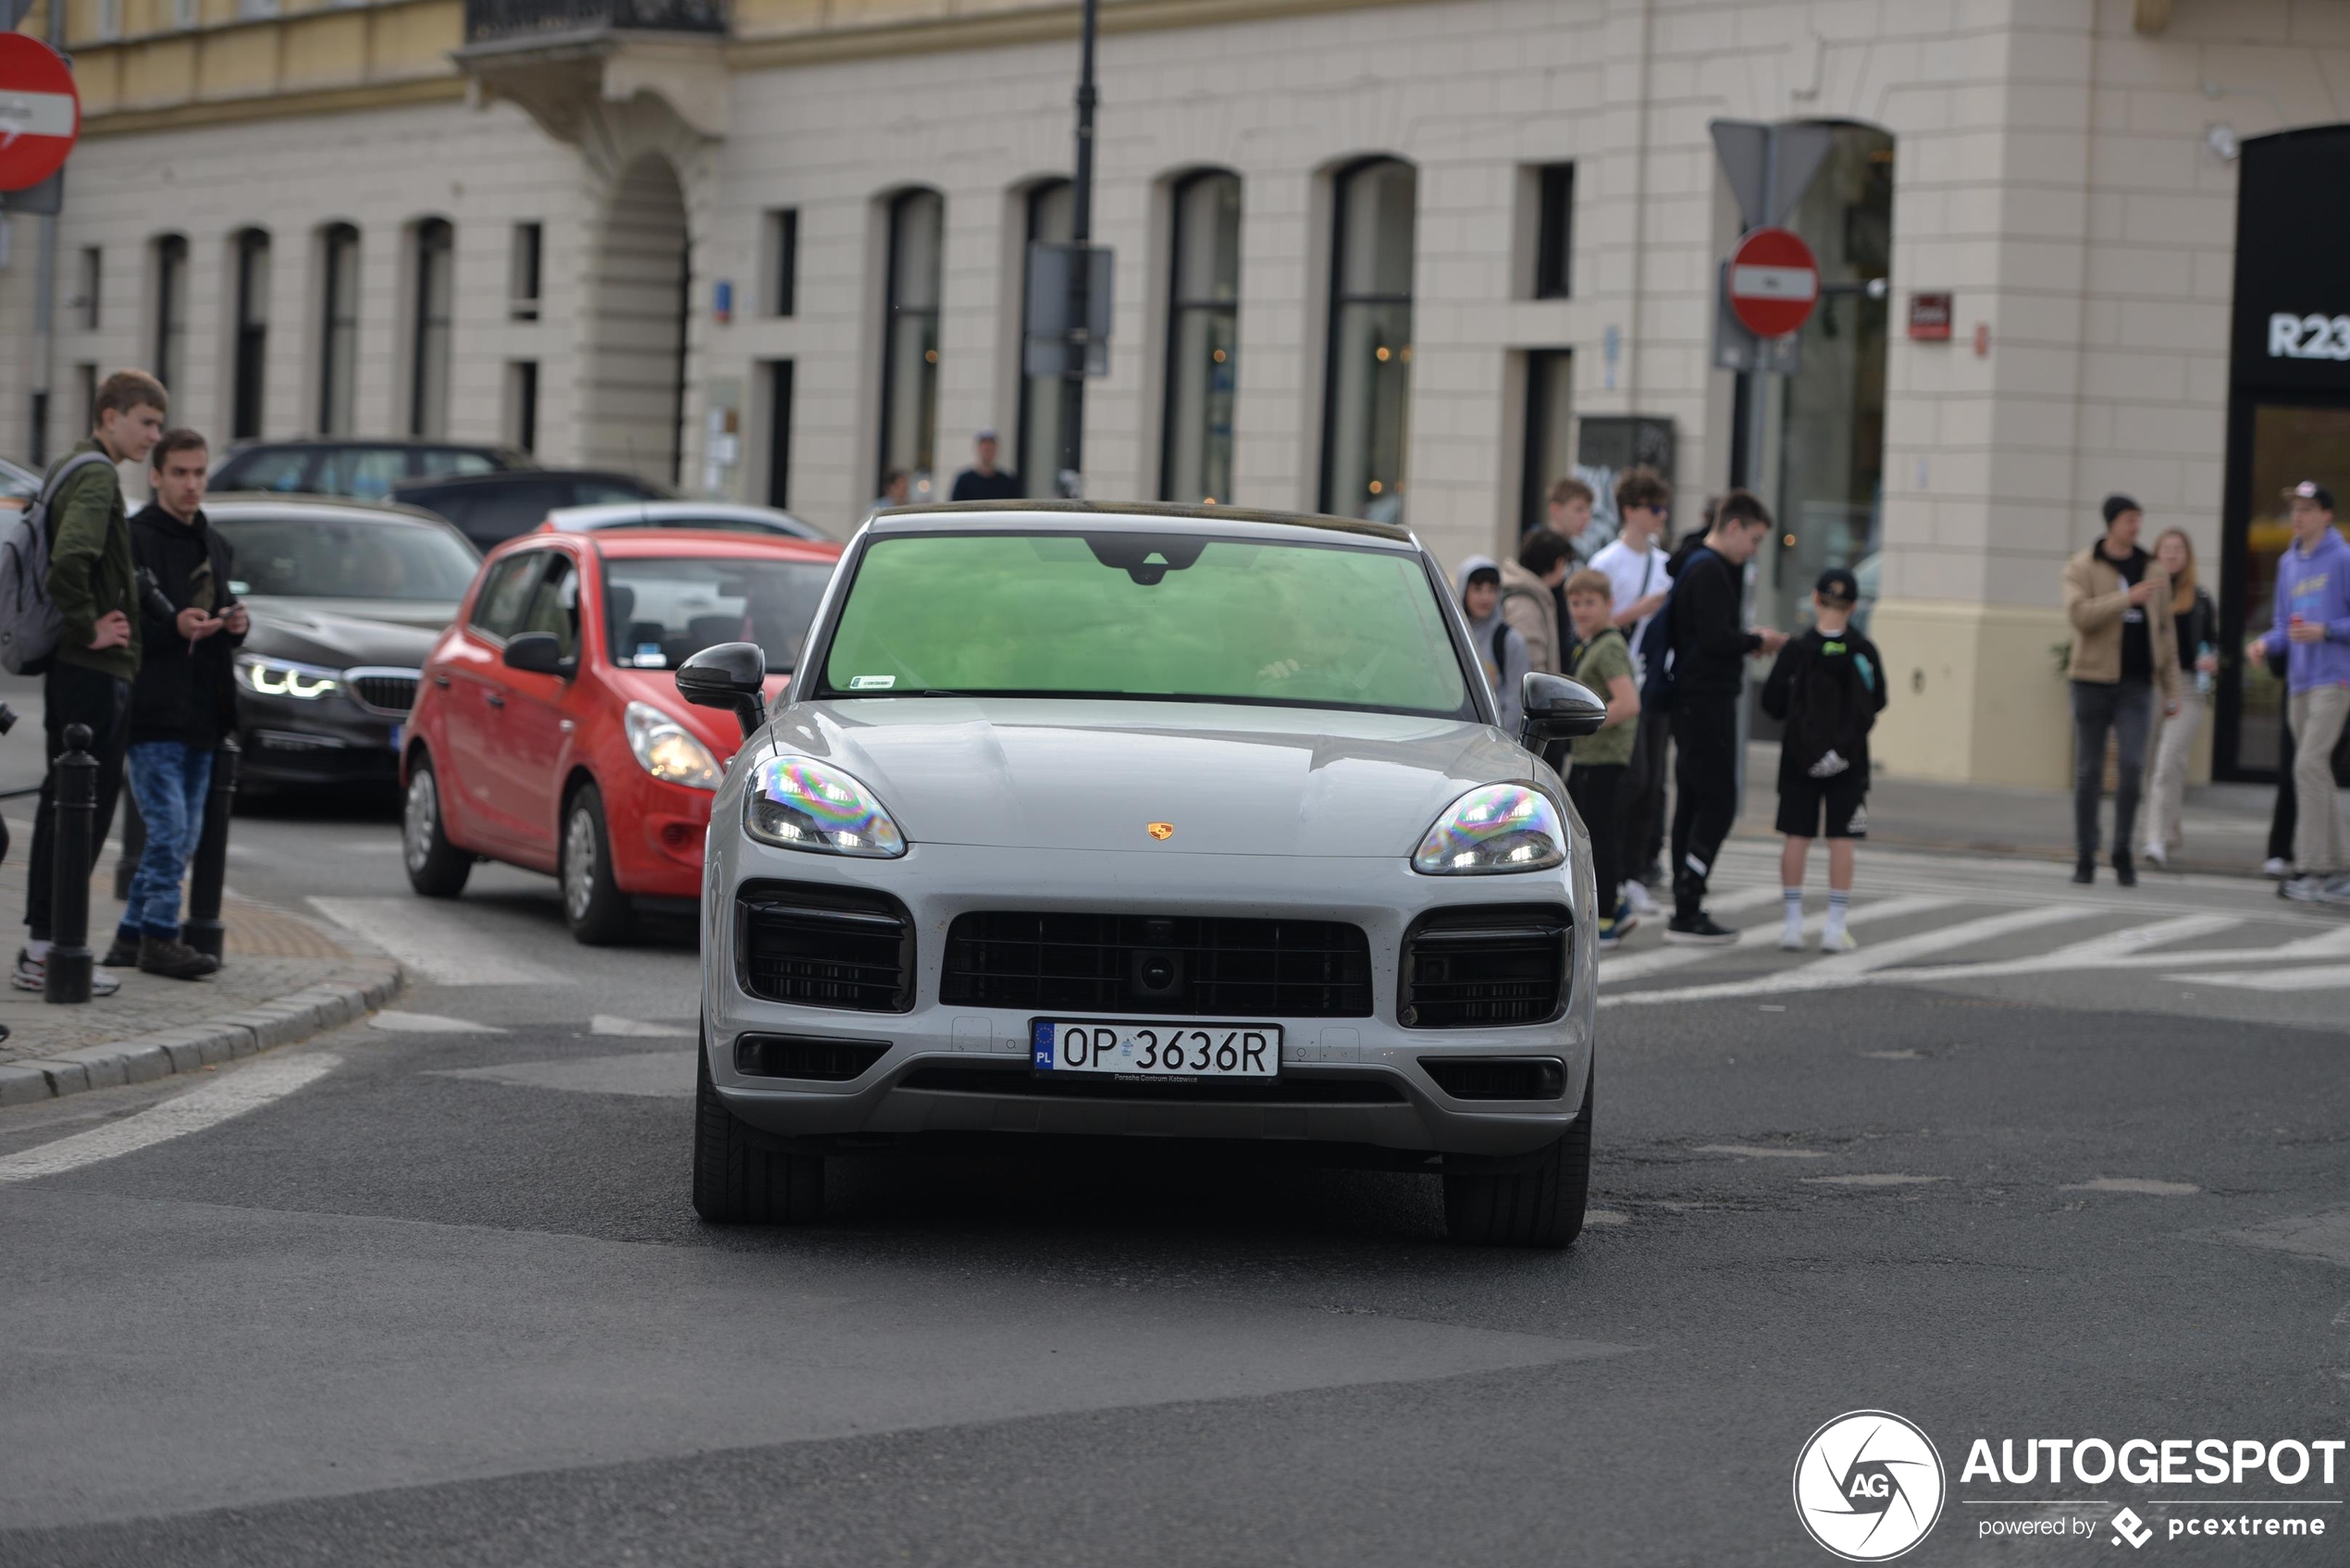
[(1838, 942), (2277, 868), (32, 974), (2155, 855), (2304, 889), (2335, 892), (1638, 898), (1791, 940)]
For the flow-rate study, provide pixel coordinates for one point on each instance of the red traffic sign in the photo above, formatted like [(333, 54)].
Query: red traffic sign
[(40, 112), (1773, 282)]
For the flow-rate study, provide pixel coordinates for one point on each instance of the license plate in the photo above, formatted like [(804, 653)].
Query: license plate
[(397, 731), (1158, 1050)]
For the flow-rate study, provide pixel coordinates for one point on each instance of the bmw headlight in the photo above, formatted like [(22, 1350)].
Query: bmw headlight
[(667, 750), (799, 803), (1501, 827), (266, 676)]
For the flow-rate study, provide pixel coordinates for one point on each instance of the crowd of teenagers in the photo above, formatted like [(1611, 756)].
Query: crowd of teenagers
[(147, 626)]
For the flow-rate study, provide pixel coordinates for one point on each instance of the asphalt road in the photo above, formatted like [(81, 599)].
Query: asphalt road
[(2042, 1164)]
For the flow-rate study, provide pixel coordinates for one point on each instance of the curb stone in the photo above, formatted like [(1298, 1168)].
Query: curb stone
[(364, 986)]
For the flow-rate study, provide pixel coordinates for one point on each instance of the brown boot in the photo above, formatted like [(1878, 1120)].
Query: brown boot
[(173, 959)]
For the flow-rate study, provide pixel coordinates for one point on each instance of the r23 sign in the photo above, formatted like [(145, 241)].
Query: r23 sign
[(2309, 337)]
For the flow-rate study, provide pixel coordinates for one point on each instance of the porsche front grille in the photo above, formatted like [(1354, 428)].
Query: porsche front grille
[(1169, 966), (1485, 967), (824, 946)]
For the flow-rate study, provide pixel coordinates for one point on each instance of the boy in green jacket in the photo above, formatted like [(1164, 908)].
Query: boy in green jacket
[(88, 681)]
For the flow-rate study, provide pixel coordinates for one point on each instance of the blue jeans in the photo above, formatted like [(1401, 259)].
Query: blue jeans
[(170, 781)]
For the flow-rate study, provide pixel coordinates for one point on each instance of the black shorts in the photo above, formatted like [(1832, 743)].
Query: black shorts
[(1844, 796)]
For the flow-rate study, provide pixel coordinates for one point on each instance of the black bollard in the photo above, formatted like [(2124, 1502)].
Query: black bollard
[(134, 844), (203, 930), (70, 960)]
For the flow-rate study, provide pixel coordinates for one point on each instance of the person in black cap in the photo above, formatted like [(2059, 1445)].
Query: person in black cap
[(2124, 651), (1828, 687)]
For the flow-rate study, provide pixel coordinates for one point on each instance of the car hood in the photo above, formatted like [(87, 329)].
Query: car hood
[(1021, 773), (348, 634)]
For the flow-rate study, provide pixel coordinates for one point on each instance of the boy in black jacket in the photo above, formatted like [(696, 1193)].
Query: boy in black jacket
[(181, 703), (1828, 684)]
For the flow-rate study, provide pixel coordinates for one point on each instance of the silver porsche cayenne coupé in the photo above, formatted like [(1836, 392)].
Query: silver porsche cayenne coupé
[(1144, 821)]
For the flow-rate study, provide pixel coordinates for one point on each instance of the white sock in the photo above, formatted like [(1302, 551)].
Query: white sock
[(37, 951), (1794, 898), (1839, 904)]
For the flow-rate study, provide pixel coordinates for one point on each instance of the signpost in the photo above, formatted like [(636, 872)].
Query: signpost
[(40, 112), (1773, 282)]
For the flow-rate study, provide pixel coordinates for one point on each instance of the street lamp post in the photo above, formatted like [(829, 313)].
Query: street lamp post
[(1079, 347)]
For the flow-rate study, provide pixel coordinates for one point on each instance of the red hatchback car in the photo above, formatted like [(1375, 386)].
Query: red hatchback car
[(548, 732)]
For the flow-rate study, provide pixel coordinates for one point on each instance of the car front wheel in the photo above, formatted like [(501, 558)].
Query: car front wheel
[(1536, 1202), (436, 868), (594, 907), (739, 1178)]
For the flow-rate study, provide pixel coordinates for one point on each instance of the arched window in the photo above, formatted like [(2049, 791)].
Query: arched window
[(1203, 339), (909, 338), (436, 258), (1044, 399), (171, 311), (1367, 408), (338, 328), (252, 332)]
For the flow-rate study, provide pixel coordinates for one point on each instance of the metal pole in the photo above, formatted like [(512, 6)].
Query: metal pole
[(1757, 421), (69, 965), (45, 307), (1081, 234), (203, 930)]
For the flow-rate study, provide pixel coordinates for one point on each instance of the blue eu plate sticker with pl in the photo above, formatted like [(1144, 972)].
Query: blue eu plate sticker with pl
[(397, 731), (1044, 1047)]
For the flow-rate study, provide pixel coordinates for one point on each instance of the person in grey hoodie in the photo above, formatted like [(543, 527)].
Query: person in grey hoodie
[(1499, 646)]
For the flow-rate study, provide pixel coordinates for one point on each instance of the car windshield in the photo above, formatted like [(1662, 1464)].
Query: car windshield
[(1169, 616), (320, 555), (661, 613)]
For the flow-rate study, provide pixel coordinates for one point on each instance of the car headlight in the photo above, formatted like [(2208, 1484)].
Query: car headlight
[(265, 676), (1501, 827), (799, 803), (667, 750)]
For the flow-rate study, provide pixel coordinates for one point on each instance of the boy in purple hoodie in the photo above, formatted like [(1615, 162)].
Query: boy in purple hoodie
[(2311, 633)]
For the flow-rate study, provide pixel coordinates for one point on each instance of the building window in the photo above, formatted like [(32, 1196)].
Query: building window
[(92, 275), (86, 381), (171, 310), (522, 271), (252, 333), (1043, 399), (1202, 340), (338, 329), (436, 259), (109, 19), (1553, 229), (779, 379), (522, 405), (781, 271), (1367, 406), (1549, 420), (909, 344)]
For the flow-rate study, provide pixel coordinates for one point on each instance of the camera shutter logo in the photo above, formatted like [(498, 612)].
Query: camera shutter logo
[(1869, 1486)]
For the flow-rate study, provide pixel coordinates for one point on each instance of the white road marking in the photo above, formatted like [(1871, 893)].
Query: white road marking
[(1843, 969), (232, 1094), (1758, 1151), (630, 1029), (1606, 1216), (393, 1022), (2115, 949), (421, 934), (2146, 1186), (1618, 966), (663, 1075), (1873, 1178), (2320, 977), (2325, 1235)]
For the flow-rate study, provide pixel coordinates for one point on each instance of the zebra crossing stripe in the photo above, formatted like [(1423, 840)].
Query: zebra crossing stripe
[(1622, 967), (2319, 976)]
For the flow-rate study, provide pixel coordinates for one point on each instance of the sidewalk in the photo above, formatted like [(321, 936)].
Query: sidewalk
[(282, 980), (2226, 825)]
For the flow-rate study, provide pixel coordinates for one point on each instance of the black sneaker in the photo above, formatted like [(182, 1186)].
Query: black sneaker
[(2124, 872), (2084, 870), (1698, 930)]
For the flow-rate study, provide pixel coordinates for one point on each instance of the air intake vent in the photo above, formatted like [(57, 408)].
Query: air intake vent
[(788, 1055), (1523, 1078), (824, 946), (1179, 966), (1485, 967), (1019, 1080)]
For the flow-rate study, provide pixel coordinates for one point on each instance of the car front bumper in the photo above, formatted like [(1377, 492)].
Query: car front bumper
[(950, 1069), (331, 740)]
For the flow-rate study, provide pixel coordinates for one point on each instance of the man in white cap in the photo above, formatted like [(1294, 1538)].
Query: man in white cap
[(983, 480)]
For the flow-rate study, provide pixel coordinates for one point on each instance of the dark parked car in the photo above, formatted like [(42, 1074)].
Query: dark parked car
[(346, 600), (367, 470), (490, 509), (18, 486)]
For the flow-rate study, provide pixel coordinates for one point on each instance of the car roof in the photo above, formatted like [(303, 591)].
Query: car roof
[(401, 443), (1075, 516), (435, 481), (295, 503), (619, 514), (654, 544)]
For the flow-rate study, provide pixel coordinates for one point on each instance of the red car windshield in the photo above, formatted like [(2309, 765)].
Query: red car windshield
[(662, 611)]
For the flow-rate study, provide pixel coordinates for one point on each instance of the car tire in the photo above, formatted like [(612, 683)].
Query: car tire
[(595, 909), (1537, 1202), (739, 1178), (437, 868)]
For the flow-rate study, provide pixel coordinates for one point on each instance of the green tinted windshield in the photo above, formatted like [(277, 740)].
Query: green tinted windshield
[(1158, 615)]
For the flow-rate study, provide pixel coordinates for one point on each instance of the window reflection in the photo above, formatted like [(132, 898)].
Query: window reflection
[(1203, 348)]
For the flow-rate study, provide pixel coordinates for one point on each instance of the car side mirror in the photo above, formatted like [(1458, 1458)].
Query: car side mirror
[(1557, 708), (539, 653), (733, 676)]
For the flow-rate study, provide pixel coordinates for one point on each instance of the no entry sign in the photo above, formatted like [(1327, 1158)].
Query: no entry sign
[(1773, 282), (40, 112)]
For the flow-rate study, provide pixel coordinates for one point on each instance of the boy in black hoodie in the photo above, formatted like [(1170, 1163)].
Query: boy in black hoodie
[(1829, 686), (181, 704)]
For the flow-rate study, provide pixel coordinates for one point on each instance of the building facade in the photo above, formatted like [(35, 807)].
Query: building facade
[(1407, 260)]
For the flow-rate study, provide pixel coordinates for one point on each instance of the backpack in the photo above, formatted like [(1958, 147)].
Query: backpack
[(1654, 654), (1829, 711), (29, 620)]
